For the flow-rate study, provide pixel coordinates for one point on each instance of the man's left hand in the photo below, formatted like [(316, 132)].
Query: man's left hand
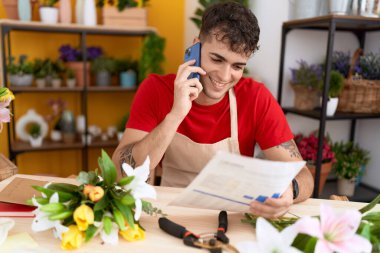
[(273, 207)]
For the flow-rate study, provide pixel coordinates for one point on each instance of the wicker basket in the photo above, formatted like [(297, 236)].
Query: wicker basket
[(359, 95), (305, 98), (7, 168)]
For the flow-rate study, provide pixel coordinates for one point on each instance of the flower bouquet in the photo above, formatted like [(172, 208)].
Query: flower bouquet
[(352, 231), (100, 205)]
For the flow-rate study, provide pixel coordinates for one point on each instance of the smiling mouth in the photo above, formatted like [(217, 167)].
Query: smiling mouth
[(219, 85)]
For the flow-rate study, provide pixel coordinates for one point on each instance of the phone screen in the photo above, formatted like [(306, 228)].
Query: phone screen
[(194, 52)]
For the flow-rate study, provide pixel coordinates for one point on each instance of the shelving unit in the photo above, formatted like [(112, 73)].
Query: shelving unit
[(358, 26), (8, 26)]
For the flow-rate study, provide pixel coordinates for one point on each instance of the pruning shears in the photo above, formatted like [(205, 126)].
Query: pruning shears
[(214, 242)]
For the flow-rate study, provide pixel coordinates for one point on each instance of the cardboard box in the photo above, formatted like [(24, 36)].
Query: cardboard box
[(135, 17), (7, 168)]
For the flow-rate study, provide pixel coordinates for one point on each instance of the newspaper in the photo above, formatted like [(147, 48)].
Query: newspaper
[(230, 182)]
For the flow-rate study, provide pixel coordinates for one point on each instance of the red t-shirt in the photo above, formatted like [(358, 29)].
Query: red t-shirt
[(260, 118)]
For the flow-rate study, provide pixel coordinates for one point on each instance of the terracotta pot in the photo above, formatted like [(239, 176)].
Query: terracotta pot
[(78, 67), (325, 171), (305, 98), (11, 8)]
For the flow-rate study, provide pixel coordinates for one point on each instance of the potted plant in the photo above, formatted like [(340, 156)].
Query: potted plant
[(103, 67), (121, 126), (305, 81), (336, 86), (308, 147), (341, 62), (127, 69), (35, 137), (350, 163), (124, 12), (20, 73), (73, 59), (70, 78), (40, 73), (56, 80), (48, 13), (152, 56)]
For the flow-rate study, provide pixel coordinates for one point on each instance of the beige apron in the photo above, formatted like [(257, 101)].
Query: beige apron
[(184, 158)]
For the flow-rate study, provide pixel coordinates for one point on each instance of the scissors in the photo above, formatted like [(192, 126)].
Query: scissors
[(213, 242)]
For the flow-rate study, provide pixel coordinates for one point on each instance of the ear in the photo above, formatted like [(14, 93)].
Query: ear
[(195, 40)]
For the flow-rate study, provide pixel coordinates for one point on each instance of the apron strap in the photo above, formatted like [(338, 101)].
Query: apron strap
[(234, 120)]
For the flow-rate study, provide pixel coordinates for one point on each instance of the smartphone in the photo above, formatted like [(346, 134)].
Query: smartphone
[(194, 52)]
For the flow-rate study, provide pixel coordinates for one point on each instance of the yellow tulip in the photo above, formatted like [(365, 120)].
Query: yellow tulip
[(83, 216), (87, 189), (72, 239), (132, 235), (96, 194)]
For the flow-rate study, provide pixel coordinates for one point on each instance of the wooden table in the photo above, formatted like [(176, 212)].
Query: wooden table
[(196, 220)]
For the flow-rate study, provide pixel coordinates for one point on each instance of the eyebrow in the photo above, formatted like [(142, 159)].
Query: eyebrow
[(224, 59)]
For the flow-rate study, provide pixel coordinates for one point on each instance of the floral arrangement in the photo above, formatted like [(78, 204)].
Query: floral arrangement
[(100, 205), (368, 66), (308, 147), (307, 75), (70, 54), (349, 159), (341, 62), (122, 4), (6, 96), (354, 231)]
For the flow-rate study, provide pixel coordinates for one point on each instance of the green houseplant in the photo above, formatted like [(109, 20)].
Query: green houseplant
[(152, 56), (20, 73), (35, 137), (350, 162), (127, 70), (305, 81), (48, 11), (335, 88), (103, 67)]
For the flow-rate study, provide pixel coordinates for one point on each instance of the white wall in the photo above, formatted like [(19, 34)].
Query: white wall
[(310, 46)]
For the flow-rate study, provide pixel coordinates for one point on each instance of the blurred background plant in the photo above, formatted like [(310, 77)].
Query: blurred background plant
[(307, 75), (368, 66), (68, 53), (341, 62)]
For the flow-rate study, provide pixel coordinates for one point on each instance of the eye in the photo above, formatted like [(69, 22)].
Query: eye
[(237, 67), (216, 60)]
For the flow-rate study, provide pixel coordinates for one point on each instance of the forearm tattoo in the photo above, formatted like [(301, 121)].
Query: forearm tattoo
[(291, 147), (126, 156)]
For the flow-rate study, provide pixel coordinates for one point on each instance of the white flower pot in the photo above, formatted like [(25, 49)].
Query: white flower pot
[(35, 141), (41, 82), (21, 80), (87, 138), (55, 135), (332, 104), (56, 83), (49, 15), (346, 187), (71, 82)]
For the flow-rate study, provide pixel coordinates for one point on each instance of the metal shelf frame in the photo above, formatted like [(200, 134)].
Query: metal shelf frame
[(359, 26)]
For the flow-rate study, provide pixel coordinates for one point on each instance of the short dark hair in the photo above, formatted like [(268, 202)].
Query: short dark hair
[(231, 23)]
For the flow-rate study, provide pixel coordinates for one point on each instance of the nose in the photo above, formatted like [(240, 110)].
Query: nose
[(225, 74)]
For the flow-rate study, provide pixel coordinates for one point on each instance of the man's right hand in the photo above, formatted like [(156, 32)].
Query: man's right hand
[(185, 90)]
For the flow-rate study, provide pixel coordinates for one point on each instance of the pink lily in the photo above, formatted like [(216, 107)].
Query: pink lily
[(4, 112), (336, 232)]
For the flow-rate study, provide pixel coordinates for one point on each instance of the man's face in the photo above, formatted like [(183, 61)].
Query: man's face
[(224, 69)]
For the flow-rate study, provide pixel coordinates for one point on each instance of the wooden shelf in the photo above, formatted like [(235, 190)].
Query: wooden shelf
[(74, 28), (20, 146), (110, 89), (97, 143), (343, 23), (34, 89), (316, 114)]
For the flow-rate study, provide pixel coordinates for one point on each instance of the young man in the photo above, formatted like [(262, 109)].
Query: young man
[(182, 123)]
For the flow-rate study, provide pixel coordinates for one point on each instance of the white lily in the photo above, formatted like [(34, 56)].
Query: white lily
[(41, 222), (139, 188), (6, 224), (113, 237), (270, 240)]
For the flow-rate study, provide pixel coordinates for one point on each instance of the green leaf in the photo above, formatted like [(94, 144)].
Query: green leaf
[(366, 231), (373, 216), (61, 216), (62, 187), (370, 205), (90, 232), (119, 218), (53, 208), (102, 204), (108, 169), (310, 246), (126, 211), (93, 177), (301, 241), (127, 200), (126, 180), (83, 177), (107, 223), (63, 196), (40, 200)]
